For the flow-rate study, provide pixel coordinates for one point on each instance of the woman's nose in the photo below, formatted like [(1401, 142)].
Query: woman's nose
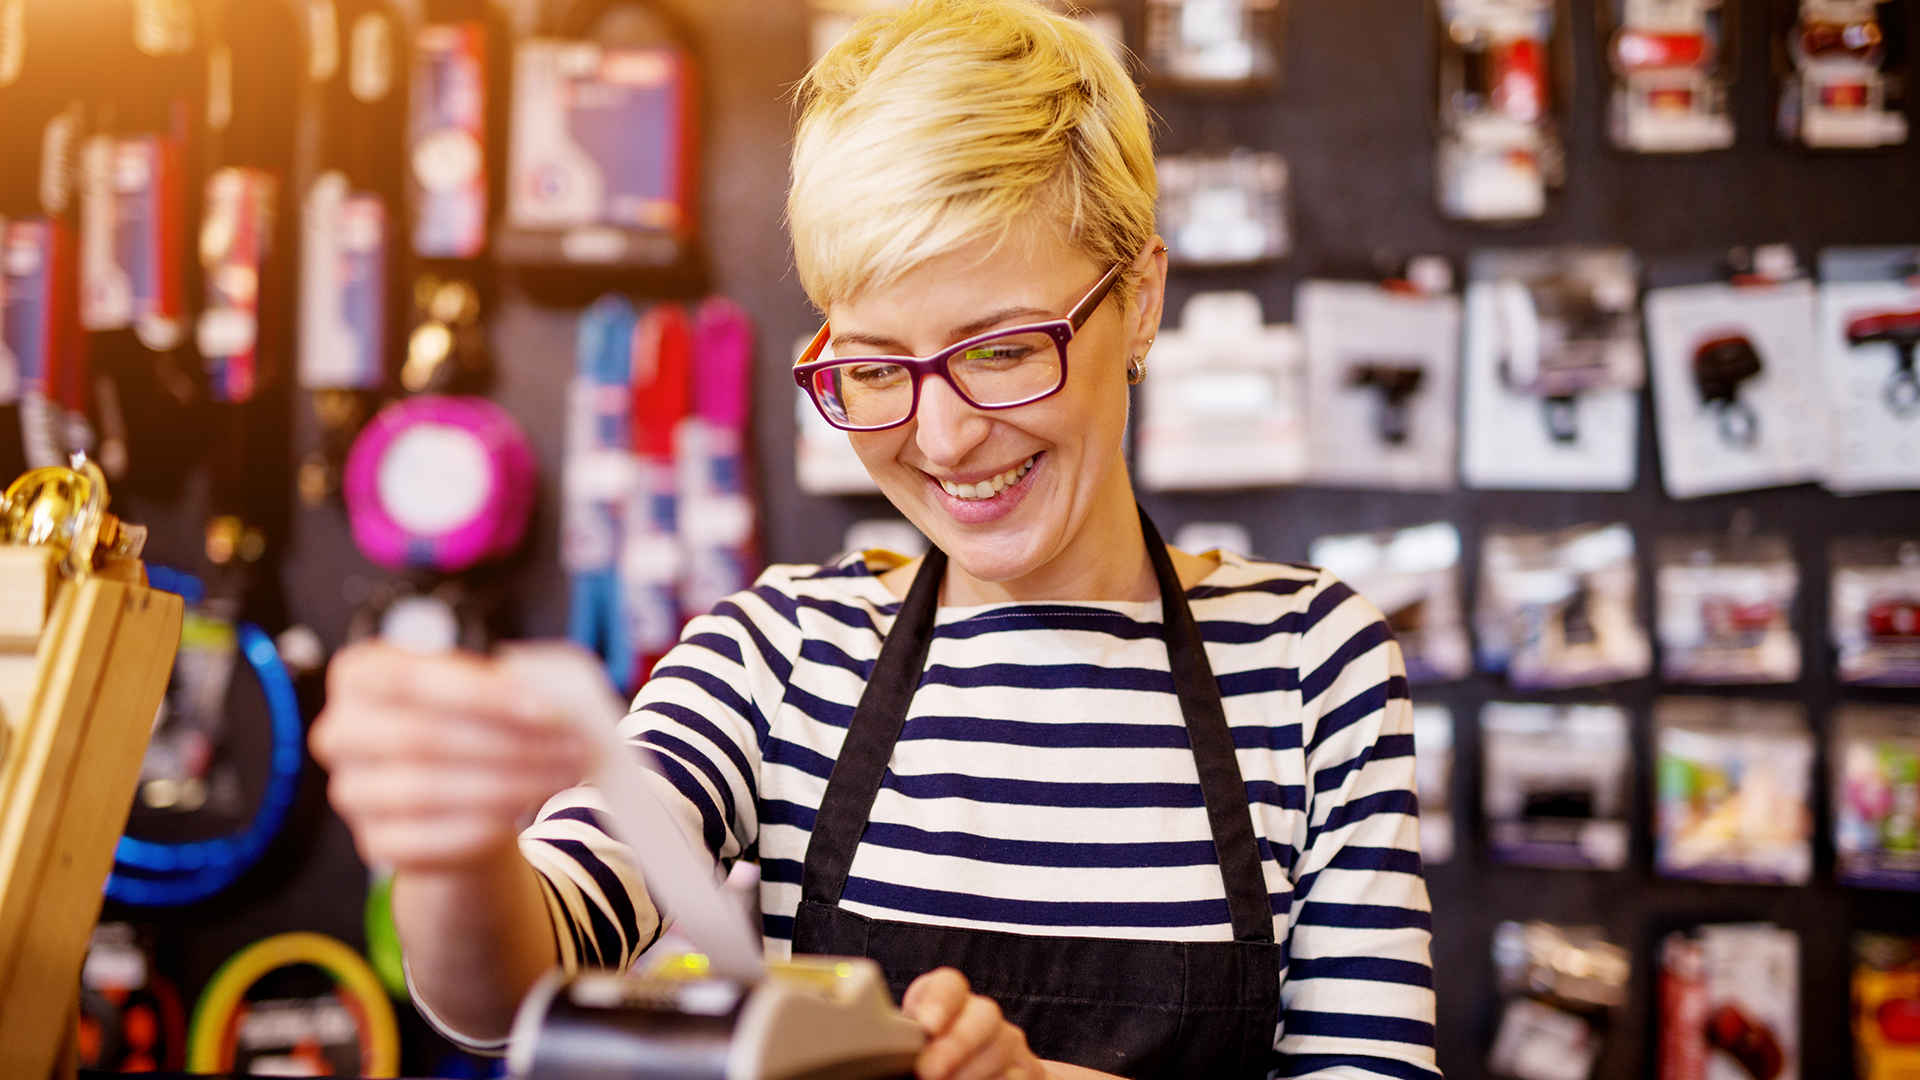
[(946, 427)]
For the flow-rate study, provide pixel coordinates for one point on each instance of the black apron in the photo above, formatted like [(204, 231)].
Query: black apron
[(1136, 1008)]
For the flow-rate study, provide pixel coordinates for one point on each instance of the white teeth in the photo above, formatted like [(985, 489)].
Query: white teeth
[(991, 486)]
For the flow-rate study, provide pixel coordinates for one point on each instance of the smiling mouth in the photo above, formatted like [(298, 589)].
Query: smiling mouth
[(992, 485)]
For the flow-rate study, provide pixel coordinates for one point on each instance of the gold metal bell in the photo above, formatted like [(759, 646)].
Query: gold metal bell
[(66, 509)]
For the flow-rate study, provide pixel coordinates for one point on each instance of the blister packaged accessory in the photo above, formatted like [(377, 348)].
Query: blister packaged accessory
[(1670, 69), (1845, 87), (1734, 370), (1558, 609), (345, 236), (1733, 779), (1559, 983), (236, 241), (1223, 209), (1215, 44), (1554, 784), (1413, 576), (1383, 371), (1433, 780), (447, 140), (1875, 759), (131, 237), (1886, 1006), (1875, 609), (1553, 365), (1869, 330), (1724, 609), (1730, 1004), (1221, 407), (1499, 149)]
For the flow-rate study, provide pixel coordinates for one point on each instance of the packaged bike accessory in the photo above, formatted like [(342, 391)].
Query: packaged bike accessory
[(1734, 368), (1560, 983), (1413, 576), (1499, 63), (1670, 68), (1223, 209), (603, 165), (1733, 779), (1875, 608), (1222, 405), (290, 1002), (1553, 369), (1199, 537), (343, 290), (1383, 370), (447, 140), (1554, 784), (1886, 1006), (1845, 87), (597, 482), (1558, 609), (131, 1017), (1875, 758), (651, 559), (1215, 44), (1730, 1003), (1433, 780), (716, 512), (1725, 609), (236, 237), (40, 326), (131, 236), (1869, 329)]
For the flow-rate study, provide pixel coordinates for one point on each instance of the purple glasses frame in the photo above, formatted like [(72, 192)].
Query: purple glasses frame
[(1060, 330)]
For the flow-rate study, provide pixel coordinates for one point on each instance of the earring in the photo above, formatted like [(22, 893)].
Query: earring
[(1136, 371)]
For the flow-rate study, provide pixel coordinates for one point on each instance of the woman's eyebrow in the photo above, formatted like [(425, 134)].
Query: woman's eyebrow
[(977, 326)]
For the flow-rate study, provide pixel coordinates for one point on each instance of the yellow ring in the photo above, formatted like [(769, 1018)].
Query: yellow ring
[(229, 985)]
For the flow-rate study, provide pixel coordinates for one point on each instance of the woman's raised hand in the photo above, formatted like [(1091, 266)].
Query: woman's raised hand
[(436, 762)]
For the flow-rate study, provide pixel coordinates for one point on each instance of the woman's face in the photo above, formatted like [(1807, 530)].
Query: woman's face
[(1056, 462)]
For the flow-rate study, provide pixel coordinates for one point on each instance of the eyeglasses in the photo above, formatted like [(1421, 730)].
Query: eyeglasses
[(1000, 369)]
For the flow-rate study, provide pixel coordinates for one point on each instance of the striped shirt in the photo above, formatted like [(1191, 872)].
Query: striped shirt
[(1043, 784)]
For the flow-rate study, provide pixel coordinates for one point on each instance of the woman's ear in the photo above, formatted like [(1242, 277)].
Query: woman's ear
[(1149, 297)]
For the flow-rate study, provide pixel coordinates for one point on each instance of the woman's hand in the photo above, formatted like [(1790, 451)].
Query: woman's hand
[(435, 762), (967, 1038)]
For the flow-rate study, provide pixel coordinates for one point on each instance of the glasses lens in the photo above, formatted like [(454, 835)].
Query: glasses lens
[(864, 393), (1009, 369)]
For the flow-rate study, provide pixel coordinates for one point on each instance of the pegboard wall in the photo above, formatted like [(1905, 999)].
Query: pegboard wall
[(1353, 119)]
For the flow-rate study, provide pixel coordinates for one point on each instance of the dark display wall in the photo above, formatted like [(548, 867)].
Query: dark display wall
[(1353, 120)]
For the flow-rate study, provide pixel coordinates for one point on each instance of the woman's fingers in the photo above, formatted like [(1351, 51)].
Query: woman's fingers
[(379, 731), (415, 788), (969, 1038), (935, 999), (372, 671)]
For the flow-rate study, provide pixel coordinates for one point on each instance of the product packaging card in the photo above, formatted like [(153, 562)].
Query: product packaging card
[(1730, 1003), (1559, 982), (1875, 759), (1734, 369), (1886, 1006), (1554, 784), (823, 459), (1221, 406), (1875, 609), (1413, 576), (1553, 366), (1869, 328), (1670, 72), (1382, 380), (1499, 148), (130, 229), (1223, 210), (343, 287), (447, 138), (236, 240), (1557, 609), (1733, 779), (1215, 43), (1433, 780), (1725, 610)]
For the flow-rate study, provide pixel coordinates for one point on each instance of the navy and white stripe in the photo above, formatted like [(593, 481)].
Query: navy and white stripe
[(1043, 784)]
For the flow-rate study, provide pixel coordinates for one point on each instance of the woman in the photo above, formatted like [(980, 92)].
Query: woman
[(1086, 798)]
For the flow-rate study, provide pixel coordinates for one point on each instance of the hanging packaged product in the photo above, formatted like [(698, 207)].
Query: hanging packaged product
[(1886, 1006), (39, 327), (1382, 385), (439, 483), (447, 141), (1223, 209), (343, 290), (1557, 609), (296, 1004), (602, 169), (1733, 779), (597, 482), (131, 237), (1433, 780), (1553, 370), (651, 559), (236, 235), (1875, 609), (1499, 146), (1724, 609), (1413, 576), (1554, 784), (1869, 330), (1875, 759), (716, 512), (1670, 74), (1215, 44), (1734, 368), (1730, 1003), (1846, 86), (824, 461), (1560, 983), (131, 1017), (1221, 406)]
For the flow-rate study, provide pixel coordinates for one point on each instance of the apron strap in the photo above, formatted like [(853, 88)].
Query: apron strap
[(871, 735)]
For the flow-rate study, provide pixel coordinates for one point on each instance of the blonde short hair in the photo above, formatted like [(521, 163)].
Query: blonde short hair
[(929, 127)]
